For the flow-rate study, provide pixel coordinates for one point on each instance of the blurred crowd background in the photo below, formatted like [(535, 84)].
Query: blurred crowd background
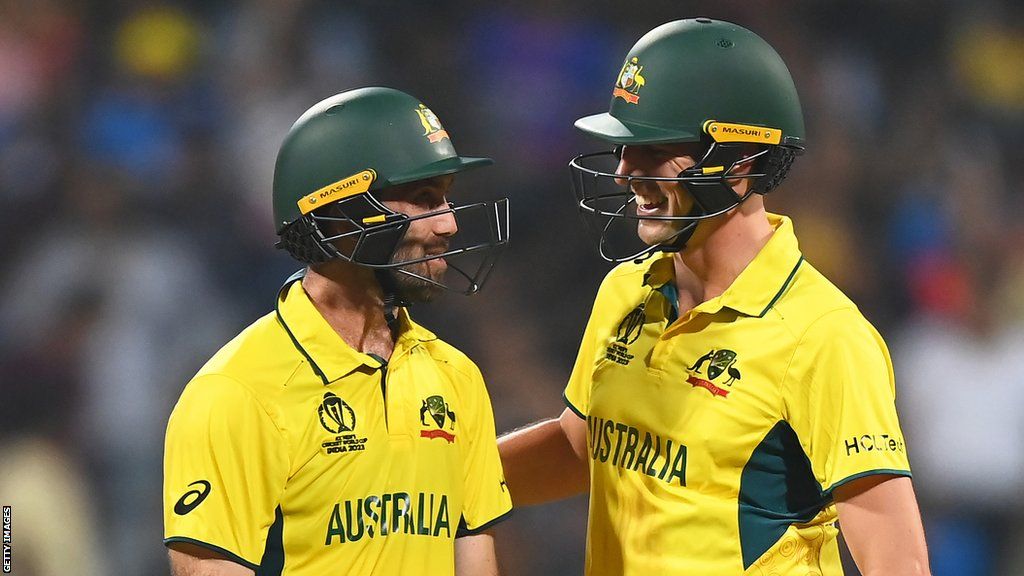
[(137, 143)]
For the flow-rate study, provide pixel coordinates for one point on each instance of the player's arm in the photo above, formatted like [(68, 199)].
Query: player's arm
[(881, 523), (191, 560), (842, 407), (474, 555), (546, 461), (226, 464)]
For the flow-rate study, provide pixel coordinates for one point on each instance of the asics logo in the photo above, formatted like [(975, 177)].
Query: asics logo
[(189, 500)]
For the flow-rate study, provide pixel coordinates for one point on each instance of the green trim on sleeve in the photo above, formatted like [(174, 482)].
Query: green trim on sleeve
[(463, 530), (573, 408), (226, 553), (272, 563), (877, 471)]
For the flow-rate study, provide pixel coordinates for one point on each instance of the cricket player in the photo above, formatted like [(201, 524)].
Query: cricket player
[(728, 404), (335, 435)]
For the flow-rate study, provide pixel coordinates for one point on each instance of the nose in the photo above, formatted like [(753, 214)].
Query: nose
[(444, 224), (629, 162), (624, 167)]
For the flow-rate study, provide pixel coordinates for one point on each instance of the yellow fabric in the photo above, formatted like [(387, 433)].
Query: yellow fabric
[(367, 477), (715, 441)]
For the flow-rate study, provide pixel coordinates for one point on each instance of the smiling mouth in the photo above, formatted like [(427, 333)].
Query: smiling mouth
[(649, 204), (435, 256)]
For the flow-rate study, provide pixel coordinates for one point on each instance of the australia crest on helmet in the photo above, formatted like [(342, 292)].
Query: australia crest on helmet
[(432, 128), (630, 81)]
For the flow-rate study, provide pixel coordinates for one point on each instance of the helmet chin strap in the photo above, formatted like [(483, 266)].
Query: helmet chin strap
[(391, 300), (678, 242), (713, 197), (702, 206)]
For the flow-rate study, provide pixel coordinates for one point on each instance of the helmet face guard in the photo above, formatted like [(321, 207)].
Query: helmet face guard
[(333, 164), (608, 203), (363, 230), (695, 80)]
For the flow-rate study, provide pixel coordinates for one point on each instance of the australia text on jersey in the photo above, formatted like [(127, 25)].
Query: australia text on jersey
[(631, 448), (389, 513)]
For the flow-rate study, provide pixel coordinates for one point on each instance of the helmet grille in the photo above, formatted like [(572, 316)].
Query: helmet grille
[(780, 160), (298, 239)]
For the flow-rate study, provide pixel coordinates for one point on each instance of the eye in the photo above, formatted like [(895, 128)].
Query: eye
[(429, 198), (661, 152)]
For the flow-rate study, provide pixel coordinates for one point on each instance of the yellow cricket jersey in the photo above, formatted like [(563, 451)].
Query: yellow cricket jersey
[(294, 454), (716, 439)]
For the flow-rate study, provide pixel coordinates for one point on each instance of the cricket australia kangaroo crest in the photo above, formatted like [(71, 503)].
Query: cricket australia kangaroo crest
[(439, 413), (719, 362), (630, 81)]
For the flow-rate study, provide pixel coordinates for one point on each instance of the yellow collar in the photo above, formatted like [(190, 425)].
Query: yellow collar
[(759, 285), (328, 354)]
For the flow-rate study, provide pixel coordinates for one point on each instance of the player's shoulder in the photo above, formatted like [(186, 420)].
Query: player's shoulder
[(452, 358), (817, 308), (260, 358), (211, 393)]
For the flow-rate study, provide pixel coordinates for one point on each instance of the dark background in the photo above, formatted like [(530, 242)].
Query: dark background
[(137, 142)]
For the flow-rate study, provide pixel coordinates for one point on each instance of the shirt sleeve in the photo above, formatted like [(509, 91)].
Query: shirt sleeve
[(225, 467), (839, 396), (487, 499)]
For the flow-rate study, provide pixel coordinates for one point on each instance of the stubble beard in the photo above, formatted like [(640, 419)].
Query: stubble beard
[(410, 288)]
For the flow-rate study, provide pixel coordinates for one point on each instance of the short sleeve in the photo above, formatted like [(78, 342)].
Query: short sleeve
[(487, 498), (839, 396), (225, 467)]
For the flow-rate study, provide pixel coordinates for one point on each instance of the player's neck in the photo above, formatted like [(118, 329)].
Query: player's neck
[(705, 269), (349, 298)]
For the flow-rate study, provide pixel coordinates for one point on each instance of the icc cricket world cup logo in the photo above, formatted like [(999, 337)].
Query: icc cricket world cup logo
[(338, 418), (628, 331), (335, 415)]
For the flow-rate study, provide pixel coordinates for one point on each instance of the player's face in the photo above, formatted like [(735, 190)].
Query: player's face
[(425, 237), (655, 198)]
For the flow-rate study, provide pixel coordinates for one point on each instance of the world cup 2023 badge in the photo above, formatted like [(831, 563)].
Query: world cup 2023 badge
[(338, 418), (628, 331), (630, 81), (718, 362)]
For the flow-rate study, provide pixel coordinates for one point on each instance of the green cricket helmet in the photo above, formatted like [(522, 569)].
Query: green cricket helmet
[(695, 80), (344, 150)]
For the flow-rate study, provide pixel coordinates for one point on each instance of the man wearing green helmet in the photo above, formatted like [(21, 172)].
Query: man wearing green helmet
[(728, 404), (335, 435)]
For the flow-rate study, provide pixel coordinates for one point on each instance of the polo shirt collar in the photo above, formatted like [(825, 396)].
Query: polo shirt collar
[(660, 271), (760, 284), (328, 354), (766, 278)]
